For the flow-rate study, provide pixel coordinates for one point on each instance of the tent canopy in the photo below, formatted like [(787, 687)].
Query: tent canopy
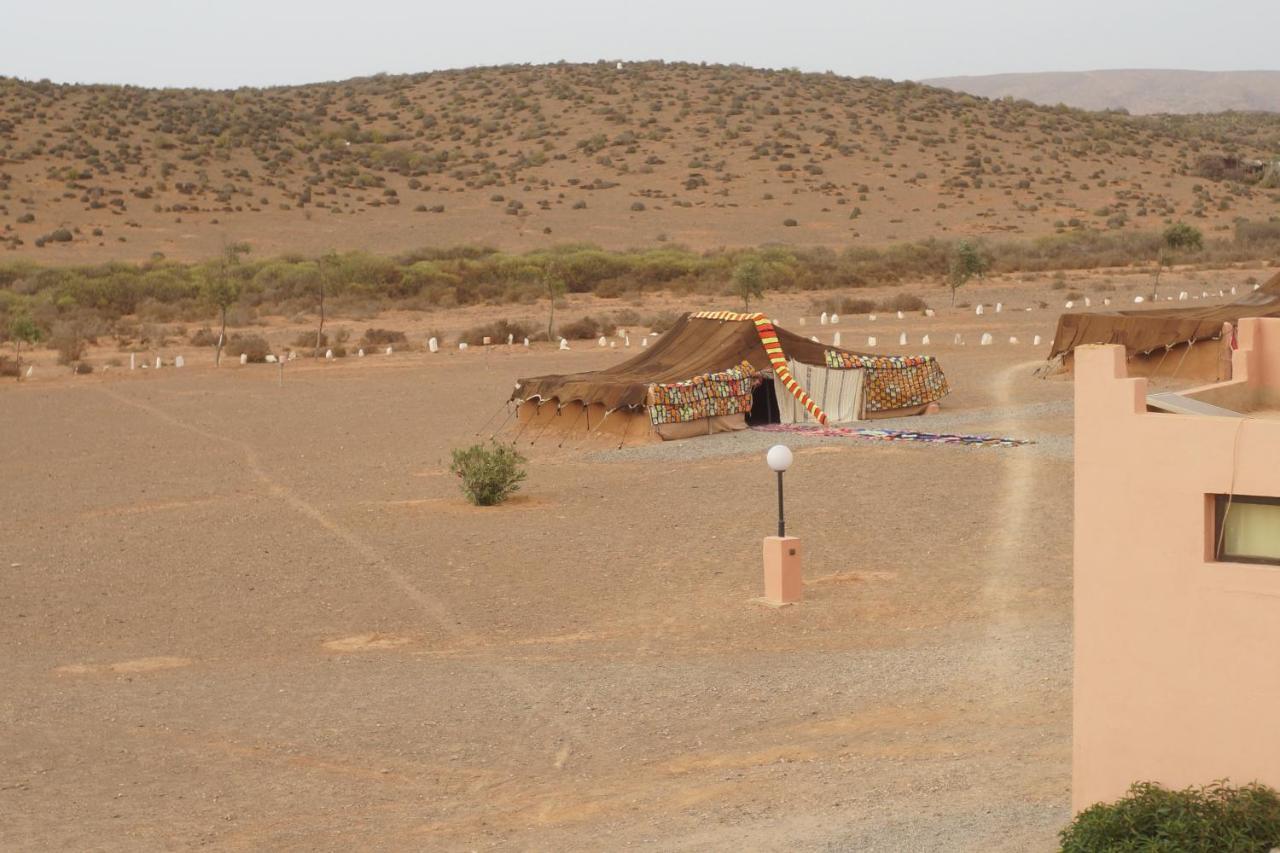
[(1142, 331), (692, 347)]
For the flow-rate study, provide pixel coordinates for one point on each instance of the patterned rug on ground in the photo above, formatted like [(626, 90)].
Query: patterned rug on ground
[(896, 435)]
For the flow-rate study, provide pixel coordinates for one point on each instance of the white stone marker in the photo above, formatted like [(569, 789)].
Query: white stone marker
[(132, 363), (1106, 300), (389, 350), (1087, 303), (835, 339), (613, 344), (32, 369), (823, 319), (814, 338), (958, 340), (871, 317), (871, 342), (564, 344), (157, 362), (179, 362), (1204, 294), (328, 354), (526, 342), (360, 353), (1182, 297), (986, 339), (924, 342), (929, 312), (1035, 342), (271, 359), (462, 346), (835, 318), (644, 342), (1013, 339), (902, 339), (602, 342), (1233, 291), (801, 321), (1138, 299), (900, 315), (244, 358), (1069, 304), (292, 355), (511, 339), (487, 341), (434, 345), (626, 341), (979, 310), (999, 307)]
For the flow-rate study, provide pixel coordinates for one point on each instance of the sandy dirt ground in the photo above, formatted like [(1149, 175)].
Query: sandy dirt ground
[(249, 616)]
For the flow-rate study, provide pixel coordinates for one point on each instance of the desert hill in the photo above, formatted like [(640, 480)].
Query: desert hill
[(1140, 91), (522, 157)]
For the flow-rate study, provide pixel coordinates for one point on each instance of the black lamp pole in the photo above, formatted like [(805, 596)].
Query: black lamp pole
[(782, 522)]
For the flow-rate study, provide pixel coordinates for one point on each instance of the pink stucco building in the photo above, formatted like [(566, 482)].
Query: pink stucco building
[(1177, 574)]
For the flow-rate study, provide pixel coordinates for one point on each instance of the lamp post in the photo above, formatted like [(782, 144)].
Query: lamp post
[(782, 580), (779, 459)]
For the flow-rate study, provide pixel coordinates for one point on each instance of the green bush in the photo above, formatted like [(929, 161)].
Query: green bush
[(489, 474), (1212, 819), (254, 346)]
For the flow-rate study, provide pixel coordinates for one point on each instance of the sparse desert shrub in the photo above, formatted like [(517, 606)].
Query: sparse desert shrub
[(254, 346), (382, 337), (662, 321), (790, 223), (1215, 818), (204, 337), (587, 327), (1073, 295), (490, 474), (842, 305), (69, 342), (497, 332), (83, 367), (8, 366), (904, 302)]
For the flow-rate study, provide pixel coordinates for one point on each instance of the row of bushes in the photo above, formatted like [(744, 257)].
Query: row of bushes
[(475, 275)]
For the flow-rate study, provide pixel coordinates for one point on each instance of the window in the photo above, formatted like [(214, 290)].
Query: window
[(1246, 529)]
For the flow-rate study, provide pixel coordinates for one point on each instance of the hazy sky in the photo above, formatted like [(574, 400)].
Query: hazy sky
[(237, 42)]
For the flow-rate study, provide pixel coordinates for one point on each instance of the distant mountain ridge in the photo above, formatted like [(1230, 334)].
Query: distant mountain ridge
[(1140, 91)]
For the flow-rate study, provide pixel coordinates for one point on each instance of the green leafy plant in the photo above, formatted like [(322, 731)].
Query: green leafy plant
[(22, 330), (490, 474), (748, 280), (966, 262), (1214, 818)]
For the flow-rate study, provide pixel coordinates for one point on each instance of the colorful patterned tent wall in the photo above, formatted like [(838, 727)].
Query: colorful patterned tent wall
[(894, 381), (710, 395), (777, 358)]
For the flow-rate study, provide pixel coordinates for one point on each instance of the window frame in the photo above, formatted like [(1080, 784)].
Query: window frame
[(1220, 503)]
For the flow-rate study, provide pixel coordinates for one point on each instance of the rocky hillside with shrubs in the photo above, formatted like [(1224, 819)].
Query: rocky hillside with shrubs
[(640, 156)]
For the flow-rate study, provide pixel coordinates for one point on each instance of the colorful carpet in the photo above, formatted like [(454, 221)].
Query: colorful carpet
[(895, 435)]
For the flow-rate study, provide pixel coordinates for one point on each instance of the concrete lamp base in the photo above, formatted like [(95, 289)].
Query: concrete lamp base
[(782, 579)]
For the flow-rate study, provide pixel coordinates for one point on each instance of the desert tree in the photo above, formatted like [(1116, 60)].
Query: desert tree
[(749, 280), (221, 288), (553, 281), (1177, 238), (967, 262), (327, 270), (23, 330)]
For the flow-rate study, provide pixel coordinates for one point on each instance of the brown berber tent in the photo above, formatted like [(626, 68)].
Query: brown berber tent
[(1191, 343), (779, 376)]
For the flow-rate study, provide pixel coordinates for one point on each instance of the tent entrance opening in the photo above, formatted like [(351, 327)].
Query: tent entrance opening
[(764, 405)]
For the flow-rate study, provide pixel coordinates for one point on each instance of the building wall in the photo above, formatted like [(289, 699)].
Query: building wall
[(1177, 658)]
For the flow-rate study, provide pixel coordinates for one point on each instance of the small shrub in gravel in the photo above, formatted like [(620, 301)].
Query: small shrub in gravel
[(490, 474)]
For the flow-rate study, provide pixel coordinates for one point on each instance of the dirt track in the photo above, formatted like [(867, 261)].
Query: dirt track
[(253, 617)]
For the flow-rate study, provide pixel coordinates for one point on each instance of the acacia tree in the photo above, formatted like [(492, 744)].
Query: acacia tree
[(23, 330), (1177, 238), (748, 280), (553, 281), (967, 262), (328, 267), (222, 286)]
